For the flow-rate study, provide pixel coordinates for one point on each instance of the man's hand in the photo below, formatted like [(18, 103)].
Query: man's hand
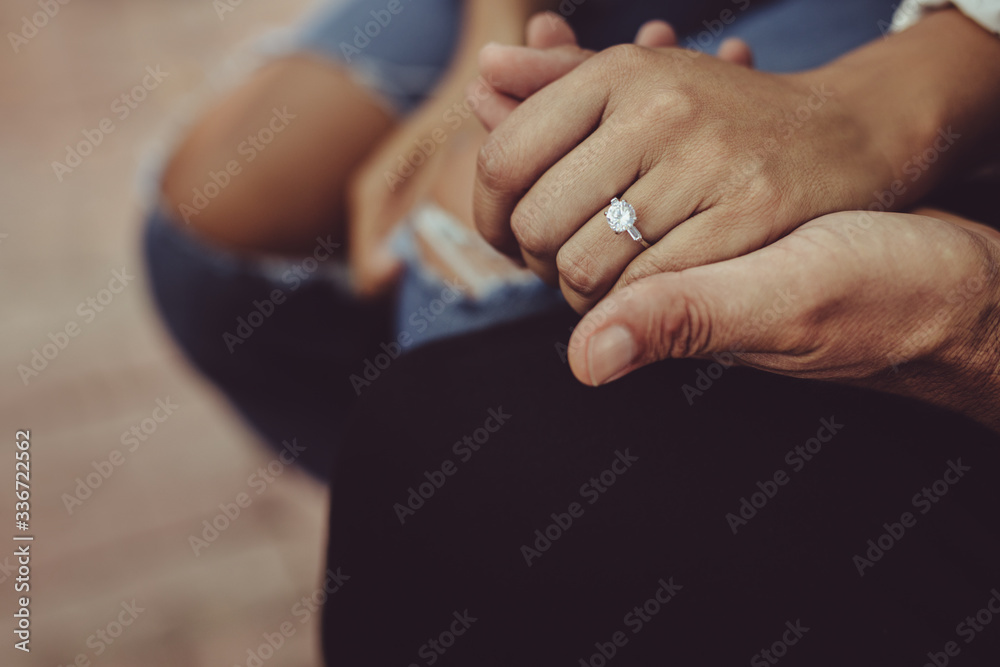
[(908, 304)]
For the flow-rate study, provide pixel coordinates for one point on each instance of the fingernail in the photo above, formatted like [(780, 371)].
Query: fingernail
[(610, 352)]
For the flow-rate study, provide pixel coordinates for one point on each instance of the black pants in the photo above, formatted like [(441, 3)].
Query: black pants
[(489, 510)]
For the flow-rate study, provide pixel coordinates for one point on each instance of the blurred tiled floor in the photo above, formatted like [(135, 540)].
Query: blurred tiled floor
[(129, 540)]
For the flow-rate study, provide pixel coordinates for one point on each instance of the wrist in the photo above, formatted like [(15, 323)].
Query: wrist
[(895, 127), (972, 364), (926, 98)]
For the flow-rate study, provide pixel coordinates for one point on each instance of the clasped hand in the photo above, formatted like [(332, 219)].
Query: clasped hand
[(756, 247)]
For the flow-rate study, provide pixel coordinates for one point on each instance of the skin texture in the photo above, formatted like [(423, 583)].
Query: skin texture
[(902, 303), (907, 304), (718, 160), (698, 148)]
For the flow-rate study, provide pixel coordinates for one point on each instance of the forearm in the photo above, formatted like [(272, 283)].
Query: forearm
[(929, 96)]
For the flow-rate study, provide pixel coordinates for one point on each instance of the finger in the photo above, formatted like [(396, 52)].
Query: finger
[(520, 72), (568, 197), (710, 309), (715, 235), (534, 137), (492, 109), (373, 213), (656, 35), (592, 262), (374, 267), (736, 51), (547, 30)]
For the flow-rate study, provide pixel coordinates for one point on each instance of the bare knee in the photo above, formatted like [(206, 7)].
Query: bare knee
[(266, 168)]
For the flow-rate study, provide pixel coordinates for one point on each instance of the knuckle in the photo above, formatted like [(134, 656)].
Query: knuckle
[(624, 56), (673, 105), (691, 333), (527, 230), (677, 324), (580, 272), (618, 64), (494, 168), (764, 192)]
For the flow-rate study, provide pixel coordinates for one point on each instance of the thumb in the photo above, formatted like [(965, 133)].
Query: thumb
[(743, 305), (375, 207)]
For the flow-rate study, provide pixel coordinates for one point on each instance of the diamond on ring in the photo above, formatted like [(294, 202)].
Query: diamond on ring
[(621, 217)]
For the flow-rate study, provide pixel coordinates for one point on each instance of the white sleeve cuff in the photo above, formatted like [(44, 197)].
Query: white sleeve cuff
[(984, 12)]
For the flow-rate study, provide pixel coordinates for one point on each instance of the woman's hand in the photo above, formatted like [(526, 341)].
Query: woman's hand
[(718, 160), (406, 165), (908, 304), (382, 192)]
